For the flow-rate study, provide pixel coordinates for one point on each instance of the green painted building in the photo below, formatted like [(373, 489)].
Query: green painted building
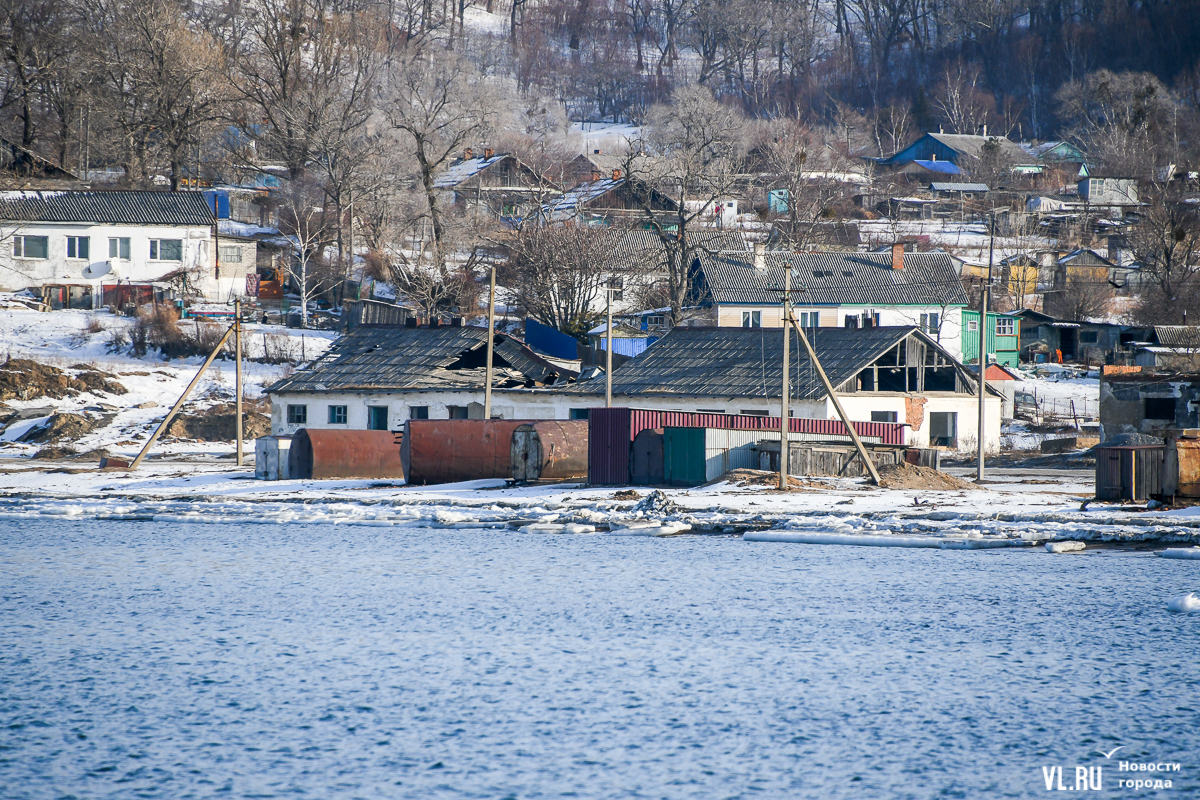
[(1003, 338)]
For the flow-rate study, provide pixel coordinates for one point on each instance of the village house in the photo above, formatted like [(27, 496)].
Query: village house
[(1049, 338), (496, 184), (378, 376), (927, 157), (1169, 347), (881, 374), (88, 249), (834, 290), (1138, 400)]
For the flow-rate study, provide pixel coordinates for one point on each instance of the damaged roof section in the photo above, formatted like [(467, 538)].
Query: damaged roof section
[(385, 358)]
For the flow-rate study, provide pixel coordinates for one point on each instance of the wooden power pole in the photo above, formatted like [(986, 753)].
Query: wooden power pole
[(487, 389)]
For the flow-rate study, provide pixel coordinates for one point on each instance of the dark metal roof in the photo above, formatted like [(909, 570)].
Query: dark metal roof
[(642, 251), (928, 279), (747, 362), (387, 358), (111, 207)]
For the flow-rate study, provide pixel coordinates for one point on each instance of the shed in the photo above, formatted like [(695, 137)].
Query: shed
[(1129, 472)]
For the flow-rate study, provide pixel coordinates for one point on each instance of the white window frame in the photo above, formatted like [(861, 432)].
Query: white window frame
[(73, 247), (156, 250), (123, 253), (1009, 325), (19, 252), (751, 319), (973, 326), (230, 254)]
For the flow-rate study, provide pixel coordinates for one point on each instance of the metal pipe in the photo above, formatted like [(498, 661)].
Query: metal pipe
[(178, 403), (237, 338), (487, 389), (837, 405), (785, 451)]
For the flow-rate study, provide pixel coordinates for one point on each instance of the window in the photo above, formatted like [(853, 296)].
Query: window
[(458, 412), (1005, 326), (943, 429), (809, 319), (579, 413), (377, 418), (77, 247), (119, 248), (1160, 408), (337, 415), (297, 415), (710, 411), (656, 321), (930, 323), (883, 416), (973, 326), (851, 321), (166, 250), (752, 413), (1088, 337), (231, 254), (31, 246), (751, 319), (418, 412)]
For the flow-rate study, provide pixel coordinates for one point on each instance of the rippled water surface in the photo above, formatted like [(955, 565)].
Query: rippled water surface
[(143, 660)]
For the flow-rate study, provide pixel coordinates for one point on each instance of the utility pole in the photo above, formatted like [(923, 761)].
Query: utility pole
[(785, 450), (837, 404), (487, 389), (237, 339), (983, 312), (613, 285)]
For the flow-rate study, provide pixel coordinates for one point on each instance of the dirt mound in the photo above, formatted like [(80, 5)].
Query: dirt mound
[(94, 381), (24, 379), (219, 423), (910, 476), (55, 452), (627, 494), (1132, 440), (63, 426)]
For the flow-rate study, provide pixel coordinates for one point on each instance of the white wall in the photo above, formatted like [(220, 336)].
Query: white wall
[(547, 404), (17, 274), (949, 338)]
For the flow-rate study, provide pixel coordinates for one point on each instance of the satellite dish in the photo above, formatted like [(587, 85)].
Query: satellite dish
[(97, 270)]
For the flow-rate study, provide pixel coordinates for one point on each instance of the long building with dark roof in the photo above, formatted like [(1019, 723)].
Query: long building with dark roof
[(834, 290)]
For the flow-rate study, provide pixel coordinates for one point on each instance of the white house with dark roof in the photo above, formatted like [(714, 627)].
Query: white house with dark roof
[(92, 248), (834, 290)]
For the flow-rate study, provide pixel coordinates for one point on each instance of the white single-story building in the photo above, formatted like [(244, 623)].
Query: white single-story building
[(377, 377), (82, 247)]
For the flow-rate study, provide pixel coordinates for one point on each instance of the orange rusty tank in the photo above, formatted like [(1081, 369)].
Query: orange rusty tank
[(451, 450), (554, 450), (324, 454)]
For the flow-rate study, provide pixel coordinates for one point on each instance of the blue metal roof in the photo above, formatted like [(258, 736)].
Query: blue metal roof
[(942, 167)]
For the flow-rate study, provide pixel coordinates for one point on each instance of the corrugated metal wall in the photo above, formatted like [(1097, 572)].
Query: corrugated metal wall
[(611, 432), (1129, 473)]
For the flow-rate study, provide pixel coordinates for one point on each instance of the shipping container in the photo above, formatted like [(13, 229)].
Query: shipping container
[(271, 457), (452, 450), (550, 450), (611, 432), (1132, 472), (326, 454)]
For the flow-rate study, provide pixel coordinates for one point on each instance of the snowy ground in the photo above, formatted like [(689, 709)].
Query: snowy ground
[(61, 339)]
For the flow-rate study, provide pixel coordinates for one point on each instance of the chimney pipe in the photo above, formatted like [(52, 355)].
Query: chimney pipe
[(898, 255), (616, 174), (760, 256), (467, 154), (488, 152)]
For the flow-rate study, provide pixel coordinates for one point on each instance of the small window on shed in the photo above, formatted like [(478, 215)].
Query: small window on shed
[(883, 416), (1160, 408), (1088, 337), (579, 413), (337, 415), (297, 415), (458, 412), (418, 412)]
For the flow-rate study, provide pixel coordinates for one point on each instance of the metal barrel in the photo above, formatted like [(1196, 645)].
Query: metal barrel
[(550, 450), (324, 454), (452, 450)]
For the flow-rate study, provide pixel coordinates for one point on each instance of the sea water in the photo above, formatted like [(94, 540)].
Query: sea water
[(194, 661)]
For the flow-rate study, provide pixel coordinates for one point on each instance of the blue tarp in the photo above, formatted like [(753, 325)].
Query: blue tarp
[(549, 341), (628, 347)]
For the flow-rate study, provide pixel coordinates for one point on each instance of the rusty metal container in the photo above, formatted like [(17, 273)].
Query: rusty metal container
[(1181, 468), (452, 450), (325, 454), (1131, 472), (550, 450)]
